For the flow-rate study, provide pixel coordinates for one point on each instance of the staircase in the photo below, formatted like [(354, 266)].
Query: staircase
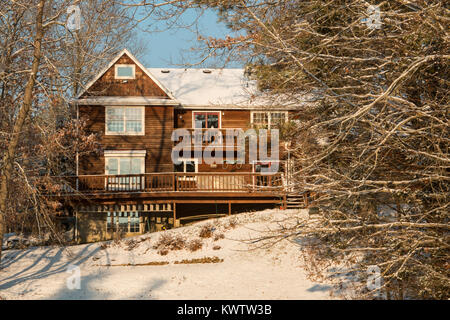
[(296, 201)]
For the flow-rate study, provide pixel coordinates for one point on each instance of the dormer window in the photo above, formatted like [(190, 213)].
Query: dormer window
[(124, 71)]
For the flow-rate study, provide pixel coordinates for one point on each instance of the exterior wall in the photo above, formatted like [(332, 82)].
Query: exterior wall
[(230, 118), (142, 85), (92, 226), (156, 141)]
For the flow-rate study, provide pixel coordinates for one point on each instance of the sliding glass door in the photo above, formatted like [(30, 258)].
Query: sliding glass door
[(125, 166)]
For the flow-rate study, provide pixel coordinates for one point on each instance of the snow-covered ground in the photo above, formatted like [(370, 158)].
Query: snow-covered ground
[(118, 270)]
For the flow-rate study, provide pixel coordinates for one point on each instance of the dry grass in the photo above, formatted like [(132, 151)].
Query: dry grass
[(195, 245), (163, 252), (169, 242), (206, 231), (200, 260), (131, 244), (232, 223), (151, 263), (219, 236)]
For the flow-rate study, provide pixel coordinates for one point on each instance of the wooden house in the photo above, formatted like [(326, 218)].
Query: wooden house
[(133, 185)]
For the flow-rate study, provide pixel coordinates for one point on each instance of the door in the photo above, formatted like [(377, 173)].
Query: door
[(125, 166)]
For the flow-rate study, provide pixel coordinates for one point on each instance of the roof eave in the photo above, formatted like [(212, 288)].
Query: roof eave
[(128, 101)]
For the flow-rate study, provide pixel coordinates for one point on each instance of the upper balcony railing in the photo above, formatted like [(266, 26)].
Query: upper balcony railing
[(172, 182), (224, 136)]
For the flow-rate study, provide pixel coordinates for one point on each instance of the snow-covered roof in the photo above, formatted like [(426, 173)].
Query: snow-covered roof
[(199, 88), (222, 88), (205, 87)]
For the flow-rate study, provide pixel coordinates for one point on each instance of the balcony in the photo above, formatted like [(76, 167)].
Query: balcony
[(172, 182)]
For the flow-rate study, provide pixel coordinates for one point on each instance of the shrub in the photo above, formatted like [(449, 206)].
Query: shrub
[(131, 244), (170, 242), (163, 252), (195, 245), (206, 231), (232, 224), (219, 236)]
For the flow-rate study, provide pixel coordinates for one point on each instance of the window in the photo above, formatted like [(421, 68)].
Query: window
[(187, 166), (124, 120), (260, 119), (124, 71), (269, 120), (125, 163), (277, 118), (123, 222), (134, 222), (205, 120), (124, 166)]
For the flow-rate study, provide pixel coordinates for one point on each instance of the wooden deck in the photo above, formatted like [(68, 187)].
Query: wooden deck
[(182, 186)]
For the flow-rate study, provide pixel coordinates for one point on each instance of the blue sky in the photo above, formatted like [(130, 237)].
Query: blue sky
[(170, 48)]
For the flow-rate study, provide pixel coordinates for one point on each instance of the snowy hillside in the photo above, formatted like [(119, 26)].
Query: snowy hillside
[(207, 260)]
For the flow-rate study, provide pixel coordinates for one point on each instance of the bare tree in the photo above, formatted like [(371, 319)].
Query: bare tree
[(43, 65), (8, 158), (372, 146)]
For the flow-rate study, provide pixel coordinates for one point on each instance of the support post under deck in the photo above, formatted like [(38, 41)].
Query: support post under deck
[(174, 214)]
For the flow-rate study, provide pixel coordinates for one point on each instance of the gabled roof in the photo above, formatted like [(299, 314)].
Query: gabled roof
[(136, 61), (199, 88)]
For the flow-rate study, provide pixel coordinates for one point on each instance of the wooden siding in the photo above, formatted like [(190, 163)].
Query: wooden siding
[(142, 85), (156, 141), (230, 118)]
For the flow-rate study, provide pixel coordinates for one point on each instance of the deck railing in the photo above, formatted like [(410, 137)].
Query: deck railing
[(172, 182), (228, 136)]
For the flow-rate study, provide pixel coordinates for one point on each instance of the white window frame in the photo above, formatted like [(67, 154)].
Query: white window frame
[(117, 154), (184, 160), (116, 67), (269, 113), (125, 133), (130, 154)]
